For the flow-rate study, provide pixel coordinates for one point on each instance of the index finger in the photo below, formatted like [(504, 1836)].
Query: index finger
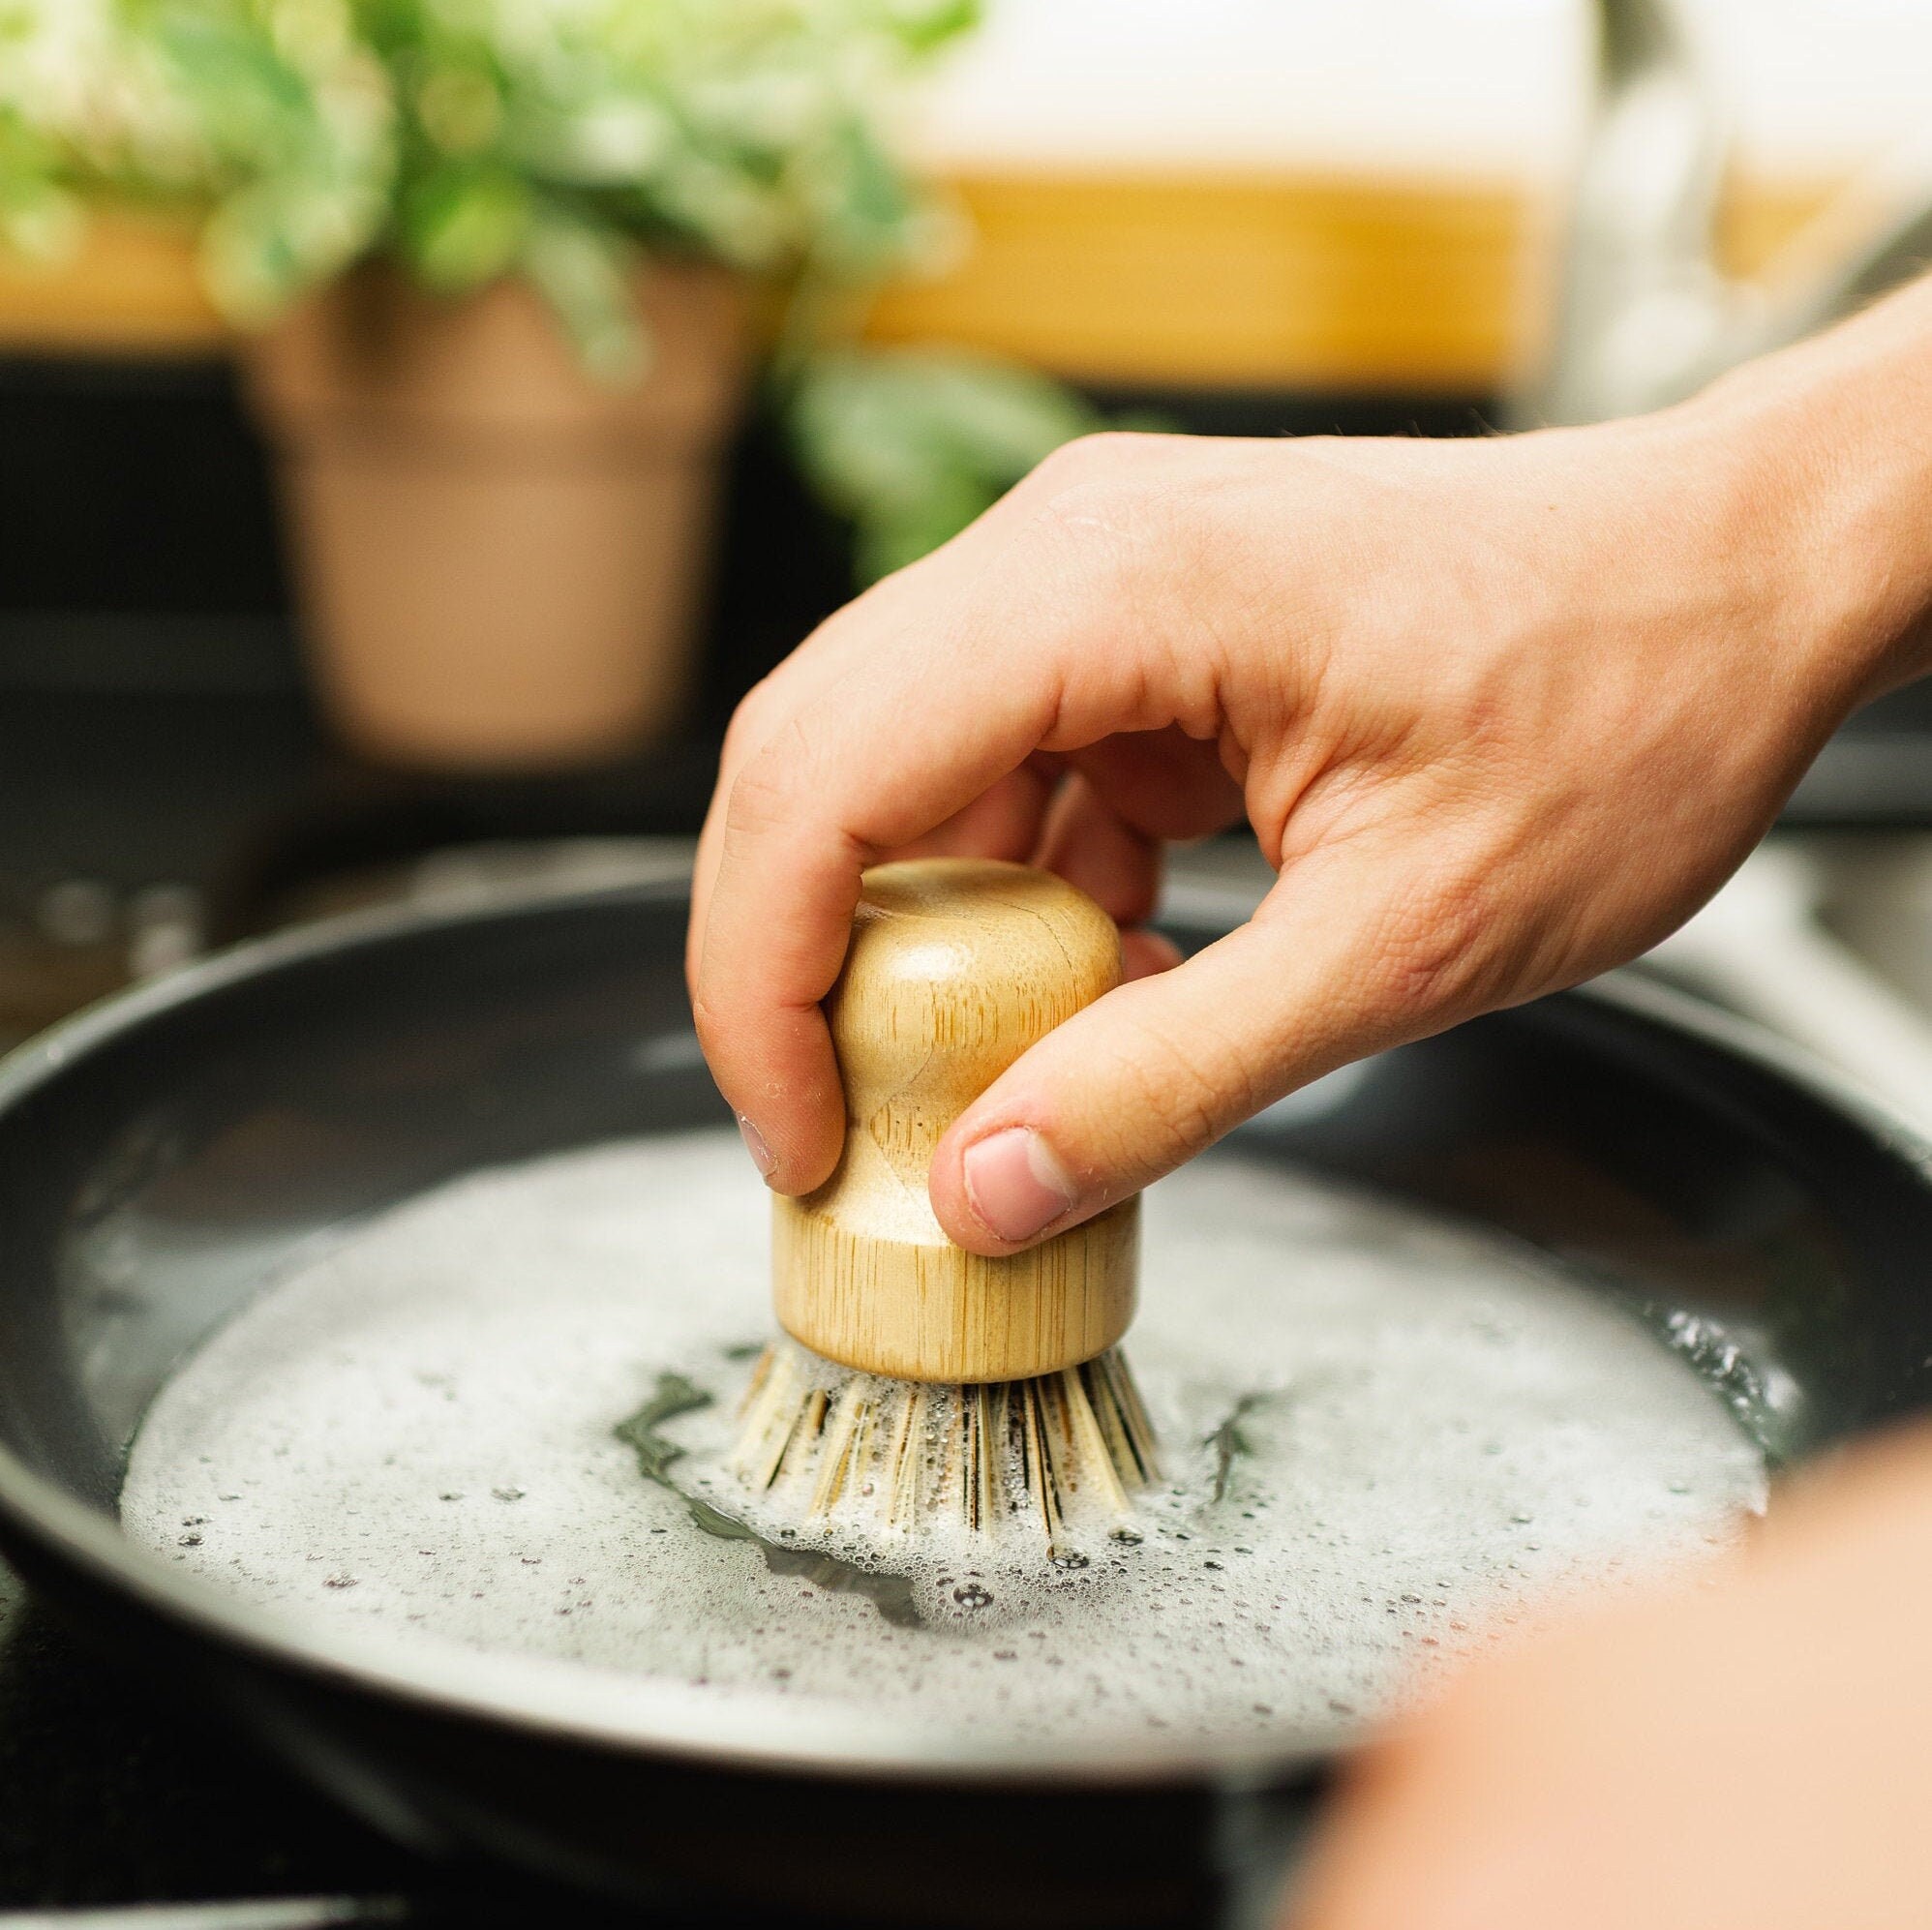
[(848, 776), (817, 663), (921, 717)]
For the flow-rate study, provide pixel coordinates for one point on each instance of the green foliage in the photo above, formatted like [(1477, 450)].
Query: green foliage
[(470, 138), (563, 141), (911, 444), (36, 217)]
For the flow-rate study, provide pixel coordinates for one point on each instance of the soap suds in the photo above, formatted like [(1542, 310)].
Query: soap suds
[(1381, 1435)]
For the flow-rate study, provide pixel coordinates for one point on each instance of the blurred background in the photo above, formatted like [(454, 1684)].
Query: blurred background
[(420, 420)]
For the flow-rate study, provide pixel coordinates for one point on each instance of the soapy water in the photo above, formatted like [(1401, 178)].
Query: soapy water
[(1383, 1438)]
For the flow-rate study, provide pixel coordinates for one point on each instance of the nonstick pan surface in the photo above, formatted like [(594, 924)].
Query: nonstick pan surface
[(165, 1156)]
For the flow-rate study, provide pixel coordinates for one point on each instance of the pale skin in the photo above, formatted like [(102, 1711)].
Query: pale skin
[(1502, 714), (1748, 1752)]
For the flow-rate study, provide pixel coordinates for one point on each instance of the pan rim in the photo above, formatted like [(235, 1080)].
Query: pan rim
[(754, 1730)]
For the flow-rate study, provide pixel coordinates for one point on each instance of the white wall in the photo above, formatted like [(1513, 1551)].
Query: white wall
[(1470, 86)]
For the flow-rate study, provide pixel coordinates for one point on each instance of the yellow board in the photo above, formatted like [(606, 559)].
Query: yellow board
[(131, 286), (1302, 281), (1251, 282)]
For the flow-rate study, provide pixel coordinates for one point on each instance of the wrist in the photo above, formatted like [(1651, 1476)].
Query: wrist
[(1824, 454)]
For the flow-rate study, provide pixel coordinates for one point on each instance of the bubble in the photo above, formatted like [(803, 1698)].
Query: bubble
[(547, 1299)]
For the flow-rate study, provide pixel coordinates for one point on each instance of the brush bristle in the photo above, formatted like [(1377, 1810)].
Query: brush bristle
[(898, 1454)]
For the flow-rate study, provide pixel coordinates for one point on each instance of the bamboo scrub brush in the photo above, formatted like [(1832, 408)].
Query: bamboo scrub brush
[(919, 1381)]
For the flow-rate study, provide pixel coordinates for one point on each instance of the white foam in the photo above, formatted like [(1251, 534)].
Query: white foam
[(415, 1435)]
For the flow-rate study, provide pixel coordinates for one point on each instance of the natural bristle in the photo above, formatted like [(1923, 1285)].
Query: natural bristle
[(899, 1454)]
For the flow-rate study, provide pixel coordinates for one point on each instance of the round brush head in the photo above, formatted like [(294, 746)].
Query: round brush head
[(926, 1377), (827, 1442)]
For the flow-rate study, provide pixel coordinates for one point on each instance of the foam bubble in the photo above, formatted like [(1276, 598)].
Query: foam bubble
[(1380, 1433)]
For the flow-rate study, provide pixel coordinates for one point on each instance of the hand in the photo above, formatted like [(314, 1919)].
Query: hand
[(1501, 712), (1750, 1750)]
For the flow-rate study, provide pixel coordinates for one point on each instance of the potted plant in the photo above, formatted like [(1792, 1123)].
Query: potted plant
[(497, 260)]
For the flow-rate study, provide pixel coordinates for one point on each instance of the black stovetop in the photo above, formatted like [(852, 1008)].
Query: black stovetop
[(106, 1796), (111, 1796)]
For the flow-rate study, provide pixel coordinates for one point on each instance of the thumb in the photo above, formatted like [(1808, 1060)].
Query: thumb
[(1344, 958)]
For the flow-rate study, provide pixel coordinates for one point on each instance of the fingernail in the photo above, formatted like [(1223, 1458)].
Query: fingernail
[(754, 1144), (1015, 1184)]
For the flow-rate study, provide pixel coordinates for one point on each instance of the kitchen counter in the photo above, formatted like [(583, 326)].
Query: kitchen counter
[(1305, 277), (108, 1796)]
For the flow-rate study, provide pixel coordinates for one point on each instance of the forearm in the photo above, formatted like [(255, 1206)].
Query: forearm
[(1831, 442)]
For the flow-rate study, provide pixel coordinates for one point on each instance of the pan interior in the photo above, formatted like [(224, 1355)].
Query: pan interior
[(1385, 1435)]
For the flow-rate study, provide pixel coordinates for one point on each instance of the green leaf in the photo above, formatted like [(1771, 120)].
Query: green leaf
[(247, 99), (464, 224), (911, 446), (460, 109), (587, 276), (38, 219), (928, 26)]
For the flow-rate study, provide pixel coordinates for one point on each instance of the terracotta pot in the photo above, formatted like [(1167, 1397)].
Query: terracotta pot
[(498, 556)]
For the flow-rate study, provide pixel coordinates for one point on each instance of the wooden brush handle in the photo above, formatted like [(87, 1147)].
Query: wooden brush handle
[(956, 966)]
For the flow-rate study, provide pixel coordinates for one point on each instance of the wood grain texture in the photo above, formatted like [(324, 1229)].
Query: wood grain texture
[(955, 967)]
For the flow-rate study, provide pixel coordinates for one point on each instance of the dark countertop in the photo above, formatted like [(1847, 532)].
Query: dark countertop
[(106, 1796)]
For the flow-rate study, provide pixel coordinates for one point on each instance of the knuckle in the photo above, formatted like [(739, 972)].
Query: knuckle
[(1089, 544), (1071, 464), (708, 1021), (1091, 478), (1101, 452), (705, 1016), (766, 792), (750, 722)]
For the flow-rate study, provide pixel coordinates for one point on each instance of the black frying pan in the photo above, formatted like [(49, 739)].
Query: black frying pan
[(165, 1156)]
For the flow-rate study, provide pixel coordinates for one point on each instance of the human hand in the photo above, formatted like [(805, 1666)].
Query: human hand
[(1501, 713), (1746, 1750)]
